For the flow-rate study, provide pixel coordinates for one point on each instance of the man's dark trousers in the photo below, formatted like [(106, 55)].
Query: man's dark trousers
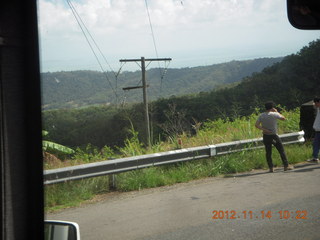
[(268, 141)]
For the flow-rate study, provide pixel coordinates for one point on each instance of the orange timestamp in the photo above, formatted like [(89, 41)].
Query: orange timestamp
[(264, 214)]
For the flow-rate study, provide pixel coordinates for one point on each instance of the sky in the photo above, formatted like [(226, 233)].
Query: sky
[(191, 32)]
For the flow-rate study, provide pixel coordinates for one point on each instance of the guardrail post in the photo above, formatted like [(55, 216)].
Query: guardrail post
[(112, 182), (213, 150)]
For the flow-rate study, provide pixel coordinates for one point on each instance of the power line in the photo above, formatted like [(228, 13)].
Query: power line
[(86, 31), (153, 38)]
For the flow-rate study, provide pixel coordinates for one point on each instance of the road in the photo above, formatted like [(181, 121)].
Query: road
[(252, 204)]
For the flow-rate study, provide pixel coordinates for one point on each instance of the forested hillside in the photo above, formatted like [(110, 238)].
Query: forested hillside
[(289, 83), (84, 88)]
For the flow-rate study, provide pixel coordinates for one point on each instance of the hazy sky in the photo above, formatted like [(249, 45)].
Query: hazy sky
[(191, 32)]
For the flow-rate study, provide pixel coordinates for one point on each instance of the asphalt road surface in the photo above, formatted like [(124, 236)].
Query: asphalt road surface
[(253, 205)]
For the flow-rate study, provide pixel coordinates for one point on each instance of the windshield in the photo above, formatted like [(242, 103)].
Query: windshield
[(128, 84)]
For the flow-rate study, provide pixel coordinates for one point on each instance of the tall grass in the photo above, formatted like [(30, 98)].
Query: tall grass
[(73, 193)]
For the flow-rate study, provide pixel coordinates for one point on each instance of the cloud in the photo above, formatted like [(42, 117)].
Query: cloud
[(105, 16), (121, 28)]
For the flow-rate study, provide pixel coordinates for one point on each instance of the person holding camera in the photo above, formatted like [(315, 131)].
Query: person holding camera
[(267, 122)]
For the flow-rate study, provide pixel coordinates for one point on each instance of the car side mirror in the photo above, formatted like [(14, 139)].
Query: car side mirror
[(61, 230), (304, 14)]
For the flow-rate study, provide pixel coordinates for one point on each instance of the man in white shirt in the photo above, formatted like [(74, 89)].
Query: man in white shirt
[(267, 122), (316, 127)]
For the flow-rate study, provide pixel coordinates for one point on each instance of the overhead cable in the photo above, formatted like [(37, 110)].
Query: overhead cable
[(153, 36), (86, 32)]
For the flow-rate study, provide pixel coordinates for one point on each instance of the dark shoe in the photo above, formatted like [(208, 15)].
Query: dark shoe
[(289, 167), (271, 170)]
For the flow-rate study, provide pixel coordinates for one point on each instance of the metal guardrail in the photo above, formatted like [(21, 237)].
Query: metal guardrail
[(108, 167)]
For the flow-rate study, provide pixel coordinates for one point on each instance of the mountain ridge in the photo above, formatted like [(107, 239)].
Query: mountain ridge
[(72, 89)]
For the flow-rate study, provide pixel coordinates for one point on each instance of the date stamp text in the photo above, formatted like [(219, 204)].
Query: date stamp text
[(263, 214)]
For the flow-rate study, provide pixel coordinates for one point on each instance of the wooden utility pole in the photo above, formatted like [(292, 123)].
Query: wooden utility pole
[(144, 88)]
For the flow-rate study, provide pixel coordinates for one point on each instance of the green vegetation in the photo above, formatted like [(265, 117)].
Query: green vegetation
[(51, 146), (223, 165), (74, 193)]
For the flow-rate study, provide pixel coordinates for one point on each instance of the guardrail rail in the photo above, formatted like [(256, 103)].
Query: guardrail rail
[(114, 166)]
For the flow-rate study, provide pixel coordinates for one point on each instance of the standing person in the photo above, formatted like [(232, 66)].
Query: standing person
[(267, 122), (316, 127)]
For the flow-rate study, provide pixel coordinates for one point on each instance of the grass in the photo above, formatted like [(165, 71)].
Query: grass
[(74, 193)]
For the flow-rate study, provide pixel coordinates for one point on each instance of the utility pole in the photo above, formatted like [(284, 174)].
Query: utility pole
[(144, 88)]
